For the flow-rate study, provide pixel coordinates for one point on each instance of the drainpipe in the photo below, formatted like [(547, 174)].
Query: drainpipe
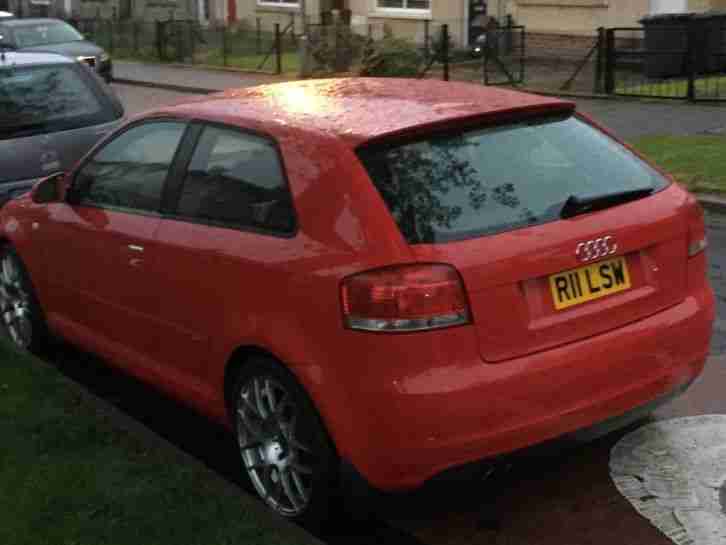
[(303, 12)]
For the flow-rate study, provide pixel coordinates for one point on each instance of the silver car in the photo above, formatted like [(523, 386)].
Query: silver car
[(54, 36), (52, 111)]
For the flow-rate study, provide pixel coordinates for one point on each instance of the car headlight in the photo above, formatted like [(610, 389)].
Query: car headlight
[(104, 57)]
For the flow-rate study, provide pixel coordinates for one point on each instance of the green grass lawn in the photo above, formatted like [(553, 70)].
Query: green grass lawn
[(706, 87), (698, 162), (70, 476)]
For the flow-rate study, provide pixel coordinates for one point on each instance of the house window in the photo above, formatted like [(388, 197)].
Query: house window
[(658, 7), (411, 5), (285, 3)]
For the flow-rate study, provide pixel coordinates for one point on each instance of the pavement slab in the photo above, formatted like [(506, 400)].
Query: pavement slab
[(673, 473)]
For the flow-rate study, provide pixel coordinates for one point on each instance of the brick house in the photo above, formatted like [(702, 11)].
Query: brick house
[(583, 17), (205, 11), (406, 18)]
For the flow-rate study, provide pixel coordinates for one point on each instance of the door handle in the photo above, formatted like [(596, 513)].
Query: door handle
[(135, 248)]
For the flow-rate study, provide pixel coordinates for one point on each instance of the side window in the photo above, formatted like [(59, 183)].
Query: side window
[(129, 171), (236, 179)]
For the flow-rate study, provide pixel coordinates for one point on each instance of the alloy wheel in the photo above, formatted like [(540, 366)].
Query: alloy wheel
[(279, 463), (15, 303)]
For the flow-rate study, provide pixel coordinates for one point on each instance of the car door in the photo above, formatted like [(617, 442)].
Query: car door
[(230, 221), (99, 245)]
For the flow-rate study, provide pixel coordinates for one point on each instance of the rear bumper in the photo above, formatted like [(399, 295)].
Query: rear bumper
[(481, 411)]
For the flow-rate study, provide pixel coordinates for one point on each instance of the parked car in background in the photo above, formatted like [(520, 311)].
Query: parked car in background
[(392, 277), (52, 111), (54, 36)]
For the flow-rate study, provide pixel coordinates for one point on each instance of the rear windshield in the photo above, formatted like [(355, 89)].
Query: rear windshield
[(41, 99), (473, 183), (43, 33)]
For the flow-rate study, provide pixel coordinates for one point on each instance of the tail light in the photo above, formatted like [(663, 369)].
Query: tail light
[(697, 266), (405, 298), (697, 242), (697, 246)]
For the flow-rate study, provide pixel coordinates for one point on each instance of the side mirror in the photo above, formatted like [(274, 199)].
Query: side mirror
[(51, 189)]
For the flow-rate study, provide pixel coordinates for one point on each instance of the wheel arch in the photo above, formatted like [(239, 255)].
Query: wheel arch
[(239, 357), (242, 355)]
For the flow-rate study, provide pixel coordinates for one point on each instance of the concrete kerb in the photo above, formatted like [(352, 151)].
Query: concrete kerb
[(167, 86)]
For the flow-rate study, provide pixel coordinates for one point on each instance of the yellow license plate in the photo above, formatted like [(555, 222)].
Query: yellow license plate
[(588, 283)]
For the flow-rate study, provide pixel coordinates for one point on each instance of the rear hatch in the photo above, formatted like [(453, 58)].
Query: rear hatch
[(50, 116), (42, 154), (559, 232)]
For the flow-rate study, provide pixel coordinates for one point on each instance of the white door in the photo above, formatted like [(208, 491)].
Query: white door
[(668, 6), (203, 12)]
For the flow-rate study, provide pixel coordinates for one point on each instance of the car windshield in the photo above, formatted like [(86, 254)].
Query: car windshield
[(44, 33), (40, 99), (474, 183)]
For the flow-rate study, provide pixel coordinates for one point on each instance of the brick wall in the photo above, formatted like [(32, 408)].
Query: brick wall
[(564, 47)]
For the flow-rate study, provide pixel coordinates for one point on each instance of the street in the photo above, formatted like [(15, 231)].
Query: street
[(562, 496), (139, 99), (628, 119)]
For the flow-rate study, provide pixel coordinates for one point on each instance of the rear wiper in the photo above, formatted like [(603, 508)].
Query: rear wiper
[(575, 205)]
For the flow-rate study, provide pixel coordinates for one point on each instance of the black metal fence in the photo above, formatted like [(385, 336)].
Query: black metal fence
[(269, 48), (505, 54), (683, 61), (496, 57)]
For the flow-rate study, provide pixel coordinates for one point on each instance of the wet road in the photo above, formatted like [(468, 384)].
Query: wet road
[(554, 497), (138, 99)]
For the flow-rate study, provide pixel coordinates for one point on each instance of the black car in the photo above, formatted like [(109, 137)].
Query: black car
[(54, 36), (52, 111)]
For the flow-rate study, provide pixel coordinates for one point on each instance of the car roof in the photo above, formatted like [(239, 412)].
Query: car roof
[(17, 58), (358, 110)]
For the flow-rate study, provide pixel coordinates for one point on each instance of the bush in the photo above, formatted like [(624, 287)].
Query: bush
[(393, 58), (334, 48)]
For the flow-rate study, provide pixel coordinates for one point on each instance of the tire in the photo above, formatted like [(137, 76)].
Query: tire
[(285, 450), (22, 316)]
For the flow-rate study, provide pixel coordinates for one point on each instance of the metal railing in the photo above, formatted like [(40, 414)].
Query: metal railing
[(499, 58), (685, 61), (260, 49)]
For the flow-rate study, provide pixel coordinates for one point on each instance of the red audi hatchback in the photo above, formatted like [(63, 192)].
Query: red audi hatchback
[(396, 276)]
